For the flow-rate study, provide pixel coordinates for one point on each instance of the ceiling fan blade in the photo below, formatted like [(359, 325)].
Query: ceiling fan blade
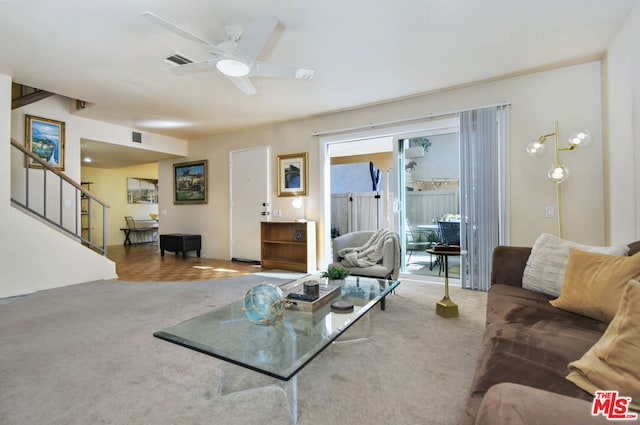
[(175, 29), (263, 69), (191, 67), (255, 37), (244, 84)]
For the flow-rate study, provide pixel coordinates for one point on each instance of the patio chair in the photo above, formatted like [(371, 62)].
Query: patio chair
[(449, 235), (413, 242)]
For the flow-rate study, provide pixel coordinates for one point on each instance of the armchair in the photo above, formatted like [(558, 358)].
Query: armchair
[(386, 268), (413, 242)]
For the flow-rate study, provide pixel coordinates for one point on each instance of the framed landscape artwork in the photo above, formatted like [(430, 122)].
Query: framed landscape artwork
[(45, 138), (142, 191), (190, 182), (292, 174)]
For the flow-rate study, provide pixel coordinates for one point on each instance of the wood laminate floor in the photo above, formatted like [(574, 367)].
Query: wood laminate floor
[(143, 263)]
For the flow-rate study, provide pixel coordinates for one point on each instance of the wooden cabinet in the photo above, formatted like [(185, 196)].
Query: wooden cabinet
[(288, 245)]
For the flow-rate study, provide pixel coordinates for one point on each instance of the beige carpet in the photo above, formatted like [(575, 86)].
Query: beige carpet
[(85, 354)]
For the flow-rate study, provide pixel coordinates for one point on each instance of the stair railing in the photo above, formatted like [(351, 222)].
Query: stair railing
[(61, 202)]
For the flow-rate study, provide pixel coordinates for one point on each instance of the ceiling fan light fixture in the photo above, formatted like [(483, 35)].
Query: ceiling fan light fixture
[(233, 68)]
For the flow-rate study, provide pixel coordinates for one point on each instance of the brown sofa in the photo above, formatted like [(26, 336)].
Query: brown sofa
[(527, 345)]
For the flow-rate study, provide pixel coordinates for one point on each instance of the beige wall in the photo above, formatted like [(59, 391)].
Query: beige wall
[(77, 128), (34, 257), (38, 257), (111, 186), (5, 147), (622, 119), (570, 95)]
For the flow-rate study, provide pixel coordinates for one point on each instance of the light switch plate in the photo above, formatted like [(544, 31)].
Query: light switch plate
[(549, 211)]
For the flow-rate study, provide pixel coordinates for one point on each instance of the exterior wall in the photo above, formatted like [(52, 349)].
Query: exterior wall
[(570, 95), (622, 123), (355, 177)]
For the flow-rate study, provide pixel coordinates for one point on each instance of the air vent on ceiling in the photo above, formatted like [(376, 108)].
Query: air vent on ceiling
[(177, 59), (136, 137)]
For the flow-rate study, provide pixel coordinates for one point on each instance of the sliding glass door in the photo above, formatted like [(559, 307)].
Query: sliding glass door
[(448, 169), (453, 189), (428, 194)]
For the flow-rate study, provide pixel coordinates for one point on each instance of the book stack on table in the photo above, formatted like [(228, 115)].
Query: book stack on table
[(299, 301), (446, 248)]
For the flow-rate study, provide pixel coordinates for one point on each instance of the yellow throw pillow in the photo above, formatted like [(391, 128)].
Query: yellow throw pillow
[(594, 283), (547, 264), (611, 364)]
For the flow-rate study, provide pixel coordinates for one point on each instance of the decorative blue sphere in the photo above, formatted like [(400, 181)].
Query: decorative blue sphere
[(264, 304)]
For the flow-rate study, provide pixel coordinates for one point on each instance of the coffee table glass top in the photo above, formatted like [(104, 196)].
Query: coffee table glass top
[(281, 350)]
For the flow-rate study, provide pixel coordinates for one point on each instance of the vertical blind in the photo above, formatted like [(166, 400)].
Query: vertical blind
[(484, 190)]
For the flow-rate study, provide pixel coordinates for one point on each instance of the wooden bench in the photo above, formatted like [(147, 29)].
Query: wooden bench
[(145, 230)]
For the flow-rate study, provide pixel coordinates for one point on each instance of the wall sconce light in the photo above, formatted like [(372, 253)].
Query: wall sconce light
[(558, 172), (298, 203)]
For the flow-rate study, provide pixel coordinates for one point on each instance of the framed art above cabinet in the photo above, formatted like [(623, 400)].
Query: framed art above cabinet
[(293, 174)]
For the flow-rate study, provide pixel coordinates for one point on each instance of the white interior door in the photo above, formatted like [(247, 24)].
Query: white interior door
[(249, 179)]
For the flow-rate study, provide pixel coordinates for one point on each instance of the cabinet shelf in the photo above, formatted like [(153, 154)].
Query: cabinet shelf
[(285, 242), (288, 245)]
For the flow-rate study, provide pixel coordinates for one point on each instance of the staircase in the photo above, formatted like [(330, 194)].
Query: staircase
[(48, 194), (22, 95)]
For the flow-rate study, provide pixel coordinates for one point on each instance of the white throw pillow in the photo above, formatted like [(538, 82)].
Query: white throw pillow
[(547, 263)]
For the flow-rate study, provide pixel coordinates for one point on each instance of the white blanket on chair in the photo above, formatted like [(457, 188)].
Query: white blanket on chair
[(372, 252)]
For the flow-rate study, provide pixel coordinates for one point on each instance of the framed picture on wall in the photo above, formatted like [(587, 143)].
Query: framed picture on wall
[(190, 182), (45, 138), (292, 174), (142, 191)]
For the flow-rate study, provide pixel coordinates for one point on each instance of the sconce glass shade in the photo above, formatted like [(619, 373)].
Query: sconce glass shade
[(535, 148), (558, 173), (580, 137), (296, 202)]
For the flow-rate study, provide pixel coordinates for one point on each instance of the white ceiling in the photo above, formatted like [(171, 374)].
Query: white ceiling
[(109, 155), (362, 51)]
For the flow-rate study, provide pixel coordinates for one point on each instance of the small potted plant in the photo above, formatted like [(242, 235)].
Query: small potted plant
[(336, 274)]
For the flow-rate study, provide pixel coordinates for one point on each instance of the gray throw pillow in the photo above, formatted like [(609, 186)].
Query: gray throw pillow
[(547, 263)]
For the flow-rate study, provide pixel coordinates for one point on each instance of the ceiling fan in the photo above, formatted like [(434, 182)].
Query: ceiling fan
[(236, 58)]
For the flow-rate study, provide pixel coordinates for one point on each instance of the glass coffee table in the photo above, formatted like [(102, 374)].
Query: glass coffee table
[(282, 350)]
